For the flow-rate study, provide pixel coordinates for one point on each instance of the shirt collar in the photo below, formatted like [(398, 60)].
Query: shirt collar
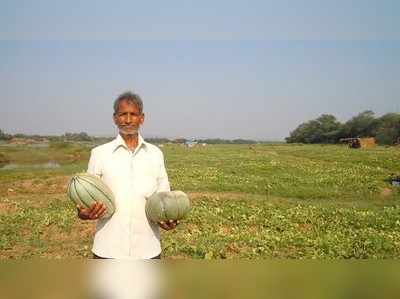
[(119, 141)]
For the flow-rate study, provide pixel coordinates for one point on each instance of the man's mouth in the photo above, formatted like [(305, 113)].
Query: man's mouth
[(129, 129)]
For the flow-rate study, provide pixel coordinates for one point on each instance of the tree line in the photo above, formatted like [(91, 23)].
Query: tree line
[(83, 136), (327, 129)]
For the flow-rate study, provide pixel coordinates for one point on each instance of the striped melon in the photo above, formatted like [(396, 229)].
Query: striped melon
[(85, 189), (163, 206)]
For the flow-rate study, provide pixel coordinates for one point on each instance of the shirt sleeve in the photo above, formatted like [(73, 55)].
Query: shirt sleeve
[(94, 164), (163, 183)]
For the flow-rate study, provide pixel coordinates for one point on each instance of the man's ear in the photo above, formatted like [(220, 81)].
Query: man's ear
[(115, 119), (142, 119)]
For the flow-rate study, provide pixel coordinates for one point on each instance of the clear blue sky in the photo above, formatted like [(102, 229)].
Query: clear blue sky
[(231, 69)]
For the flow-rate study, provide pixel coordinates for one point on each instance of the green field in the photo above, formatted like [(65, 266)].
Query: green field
[(258, 201)]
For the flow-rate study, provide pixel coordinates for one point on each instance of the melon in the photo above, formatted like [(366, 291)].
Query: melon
[(163, 206), (86, 189)]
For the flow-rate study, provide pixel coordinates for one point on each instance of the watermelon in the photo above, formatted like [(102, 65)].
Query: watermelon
[(163, 206), (85, 189)]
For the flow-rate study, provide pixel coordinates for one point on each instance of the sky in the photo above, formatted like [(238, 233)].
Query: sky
[(204, 69)]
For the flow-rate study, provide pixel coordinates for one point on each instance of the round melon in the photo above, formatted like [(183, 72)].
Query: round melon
[(85, 189), (163, 206)]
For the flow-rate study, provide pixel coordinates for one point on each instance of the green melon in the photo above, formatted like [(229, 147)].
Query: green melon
[(163, 206), (85, 189)]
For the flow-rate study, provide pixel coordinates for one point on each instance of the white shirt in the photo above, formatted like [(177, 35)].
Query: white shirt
[(132, 177)]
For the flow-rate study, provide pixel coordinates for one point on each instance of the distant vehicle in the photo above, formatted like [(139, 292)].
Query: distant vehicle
[(359, 142)]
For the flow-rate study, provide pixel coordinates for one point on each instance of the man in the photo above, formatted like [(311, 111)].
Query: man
[(133, 169)]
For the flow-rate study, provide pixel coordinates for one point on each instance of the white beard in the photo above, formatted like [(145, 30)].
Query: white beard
[(129, 132)]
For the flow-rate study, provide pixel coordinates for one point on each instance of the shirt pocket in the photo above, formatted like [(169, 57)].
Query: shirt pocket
[(116, 175), (146, 185), (146, 172), (145, 177)]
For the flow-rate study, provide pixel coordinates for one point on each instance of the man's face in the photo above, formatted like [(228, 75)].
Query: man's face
[(128, 118)]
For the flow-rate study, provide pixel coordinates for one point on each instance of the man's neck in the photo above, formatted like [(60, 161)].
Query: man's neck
[(131, 141)]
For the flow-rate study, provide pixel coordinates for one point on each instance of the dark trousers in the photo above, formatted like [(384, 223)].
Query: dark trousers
[(96, 257)]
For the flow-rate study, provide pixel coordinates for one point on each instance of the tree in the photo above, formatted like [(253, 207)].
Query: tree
[(324, 129), (362, 125), (179, 140), (4, 136), (388, 128), (82, 136)]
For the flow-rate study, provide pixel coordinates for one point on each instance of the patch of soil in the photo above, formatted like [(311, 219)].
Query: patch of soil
[(386, 192), (60, 244), (68, 244), (3, 159), (232, 248), (11, 191), (15, 252), (34, 186), (7, 208), (305, 227), (225, 231), (80, 231)]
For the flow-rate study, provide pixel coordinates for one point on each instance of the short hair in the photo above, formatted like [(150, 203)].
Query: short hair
[(129, 97)]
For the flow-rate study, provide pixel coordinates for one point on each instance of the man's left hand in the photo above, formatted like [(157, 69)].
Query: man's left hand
[(168, 225)]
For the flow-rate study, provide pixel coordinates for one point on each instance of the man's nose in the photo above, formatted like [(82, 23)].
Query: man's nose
[(128, 118)]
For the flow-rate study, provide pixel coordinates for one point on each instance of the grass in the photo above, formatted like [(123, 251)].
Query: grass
[(258, 201)]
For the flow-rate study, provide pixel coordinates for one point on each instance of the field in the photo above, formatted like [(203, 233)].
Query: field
[(258, 201)]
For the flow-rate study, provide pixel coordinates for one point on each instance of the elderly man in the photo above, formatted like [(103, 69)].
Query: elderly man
[(133, 169)]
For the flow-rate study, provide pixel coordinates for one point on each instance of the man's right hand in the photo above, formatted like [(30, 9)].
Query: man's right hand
[(96, 211)]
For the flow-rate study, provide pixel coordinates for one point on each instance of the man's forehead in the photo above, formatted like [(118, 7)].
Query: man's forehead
[(128, 102), (128, 105)]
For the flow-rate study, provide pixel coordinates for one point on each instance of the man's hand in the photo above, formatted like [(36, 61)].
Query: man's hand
[(96, 211), (168, 225)]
